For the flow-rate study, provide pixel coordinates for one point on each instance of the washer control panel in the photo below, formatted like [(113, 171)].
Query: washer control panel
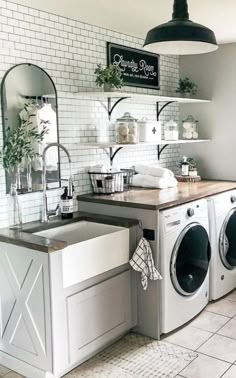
[(179, 215)]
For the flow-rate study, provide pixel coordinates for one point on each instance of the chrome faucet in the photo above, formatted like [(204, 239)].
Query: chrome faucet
[(45, 212)]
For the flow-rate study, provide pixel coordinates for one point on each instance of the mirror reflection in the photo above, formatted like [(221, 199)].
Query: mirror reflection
[(29, 100)]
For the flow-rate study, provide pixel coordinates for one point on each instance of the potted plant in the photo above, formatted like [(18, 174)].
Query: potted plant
[(186, 87), (110, 77), (192, 166), (19, 150)]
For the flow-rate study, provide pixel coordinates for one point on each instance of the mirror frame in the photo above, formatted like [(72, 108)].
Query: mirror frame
[(57, 117)]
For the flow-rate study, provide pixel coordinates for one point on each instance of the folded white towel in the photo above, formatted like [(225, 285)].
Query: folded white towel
[(103, 169), (146, 181), (154, 170), (99, 169), (172, 182), (142, 261)]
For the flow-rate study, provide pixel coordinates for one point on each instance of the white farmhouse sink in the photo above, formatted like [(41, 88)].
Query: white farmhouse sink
[(93, 248)]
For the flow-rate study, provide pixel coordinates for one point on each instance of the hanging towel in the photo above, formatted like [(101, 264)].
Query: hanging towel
[(142, 261), (146, 181), (154, 170)]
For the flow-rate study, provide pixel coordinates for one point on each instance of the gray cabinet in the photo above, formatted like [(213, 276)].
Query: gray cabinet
[(99, 314)]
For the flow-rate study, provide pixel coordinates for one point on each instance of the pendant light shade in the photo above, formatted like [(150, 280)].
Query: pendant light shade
[(180, 36)]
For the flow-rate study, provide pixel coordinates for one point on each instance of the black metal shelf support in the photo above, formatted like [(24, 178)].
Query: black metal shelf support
[(160, 110), (111, 153), (160, 150), (110, 107)]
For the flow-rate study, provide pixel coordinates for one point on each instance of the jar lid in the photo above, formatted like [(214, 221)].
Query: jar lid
[(171, 123), (127, 117), (189, 119)]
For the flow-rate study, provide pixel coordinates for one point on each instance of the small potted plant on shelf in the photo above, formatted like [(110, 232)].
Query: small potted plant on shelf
[(186, 87), (109, 77)]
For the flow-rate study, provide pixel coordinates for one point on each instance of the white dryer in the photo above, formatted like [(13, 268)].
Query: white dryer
[(185, 257), (222, 218)]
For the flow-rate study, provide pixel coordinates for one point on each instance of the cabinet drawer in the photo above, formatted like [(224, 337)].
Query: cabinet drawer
[(98, 315)]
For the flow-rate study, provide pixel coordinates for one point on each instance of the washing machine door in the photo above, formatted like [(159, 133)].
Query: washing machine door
[(227, 242), (190, 259)]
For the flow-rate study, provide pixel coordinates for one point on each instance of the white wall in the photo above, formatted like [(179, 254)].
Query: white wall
[(215, 75), (69, 51)]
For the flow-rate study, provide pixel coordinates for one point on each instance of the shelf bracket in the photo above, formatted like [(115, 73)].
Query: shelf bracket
[(160, 150), (159, 111), (111, 153), (109, 108)]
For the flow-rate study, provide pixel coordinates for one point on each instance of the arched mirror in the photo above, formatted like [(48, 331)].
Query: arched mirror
[(29, 100)]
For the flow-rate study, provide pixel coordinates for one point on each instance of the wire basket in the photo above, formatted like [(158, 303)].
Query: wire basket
[(112, 182), (107, 183), (128, 178)]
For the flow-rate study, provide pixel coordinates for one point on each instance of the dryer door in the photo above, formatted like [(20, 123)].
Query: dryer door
[(190, 259), (227, 242)]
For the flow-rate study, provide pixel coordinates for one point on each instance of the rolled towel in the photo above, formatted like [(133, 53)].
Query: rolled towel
[(146, 181), (154, 170), (99, 169), (172, 182)]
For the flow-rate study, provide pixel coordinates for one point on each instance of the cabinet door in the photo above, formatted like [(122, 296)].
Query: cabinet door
[(25, 321), (98, 315)]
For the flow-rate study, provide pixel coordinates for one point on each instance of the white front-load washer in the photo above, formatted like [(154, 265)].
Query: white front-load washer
[(184, 259), (222, 218)]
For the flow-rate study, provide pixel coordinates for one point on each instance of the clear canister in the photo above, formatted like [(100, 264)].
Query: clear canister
[(127, 130), (190, 128), (171, 130)]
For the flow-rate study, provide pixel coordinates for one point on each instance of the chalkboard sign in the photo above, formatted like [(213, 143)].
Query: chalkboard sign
[(139, 68)]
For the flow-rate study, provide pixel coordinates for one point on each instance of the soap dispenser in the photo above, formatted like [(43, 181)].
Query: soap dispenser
[(185, 166), (66, 204)]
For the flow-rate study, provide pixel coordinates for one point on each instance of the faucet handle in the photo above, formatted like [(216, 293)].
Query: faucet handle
[(54, 212)]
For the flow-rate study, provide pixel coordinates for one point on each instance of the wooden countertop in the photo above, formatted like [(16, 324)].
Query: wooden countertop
[(26, 238), (156, 199)]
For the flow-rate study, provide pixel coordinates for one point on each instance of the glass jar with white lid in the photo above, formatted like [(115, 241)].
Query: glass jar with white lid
[(127, 130), (190, 128), (171, 130)]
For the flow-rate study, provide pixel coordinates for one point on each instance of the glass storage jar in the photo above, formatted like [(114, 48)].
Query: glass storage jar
[(127, 130), (190, 128), (171, 130)]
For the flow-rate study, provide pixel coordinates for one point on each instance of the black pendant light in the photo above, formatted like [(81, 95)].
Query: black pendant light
[(180, 36)]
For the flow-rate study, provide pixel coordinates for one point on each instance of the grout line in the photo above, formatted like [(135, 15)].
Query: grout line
[(226, 371), (187, 366), (223, 327), (216, 313), (213, 334), (203, 329), (216, 358), (181, 346)]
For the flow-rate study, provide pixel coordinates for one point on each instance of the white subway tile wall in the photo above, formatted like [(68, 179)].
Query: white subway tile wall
[(69, 51)]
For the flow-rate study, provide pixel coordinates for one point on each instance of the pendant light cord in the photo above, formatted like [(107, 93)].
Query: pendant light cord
[(180, 10)]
